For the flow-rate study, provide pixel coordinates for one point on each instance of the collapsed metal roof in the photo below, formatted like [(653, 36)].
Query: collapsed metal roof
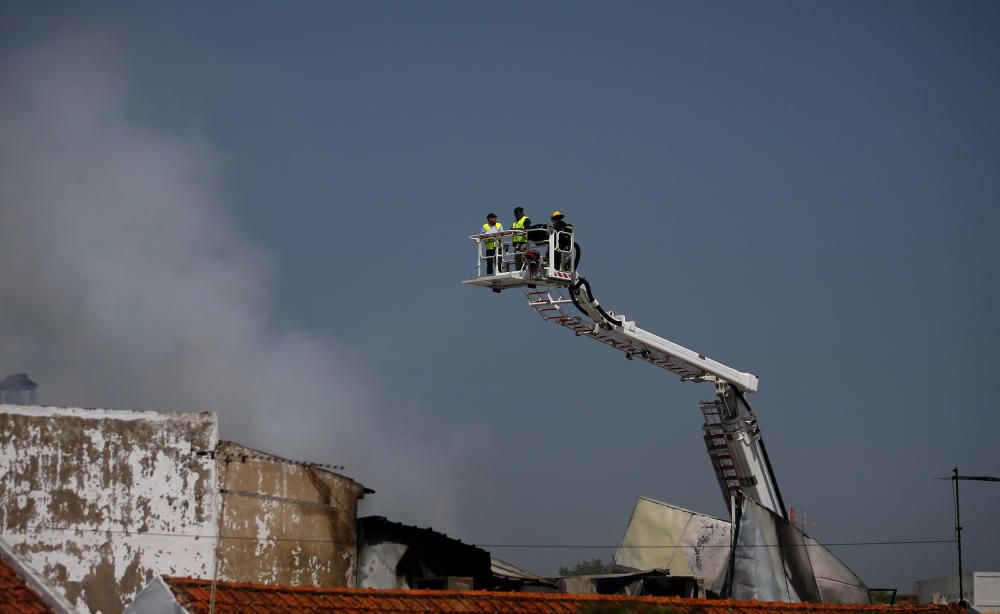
[(759, 556)]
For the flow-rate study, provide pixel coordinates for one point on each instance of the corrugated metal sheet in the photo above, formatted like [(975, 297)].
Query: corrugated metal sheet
[(513, 572)]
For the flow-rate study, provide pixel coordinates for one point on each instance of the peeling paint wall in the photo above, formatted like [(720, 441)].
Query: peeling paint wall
[(285, 523), (100, 501)]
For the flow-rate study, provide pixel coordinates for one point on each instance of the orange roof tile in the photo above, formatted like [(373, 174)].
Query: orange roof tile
[(16, 595), (231, 597)]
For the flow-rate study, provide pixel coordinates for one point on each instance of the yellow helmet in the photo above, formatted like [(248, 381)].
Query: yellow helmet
[(557, 215)]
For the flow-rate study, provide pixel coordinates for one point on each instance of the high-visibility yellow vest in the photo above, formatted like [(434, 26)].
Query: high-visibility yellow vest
[(491, 243), (519, 225)]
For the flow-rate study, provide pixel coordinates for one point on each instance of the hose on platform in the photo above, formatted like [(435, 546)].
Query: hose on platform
[(590, 294)]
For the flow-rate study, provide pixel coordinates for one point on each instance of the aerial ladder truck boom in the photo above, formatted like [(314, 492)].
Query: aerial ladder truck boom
[(731, 433)]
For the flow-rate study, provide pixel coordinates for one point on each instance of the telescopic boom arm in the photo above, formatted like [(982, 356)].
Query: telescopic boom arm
[(695, 365), (732, 437)]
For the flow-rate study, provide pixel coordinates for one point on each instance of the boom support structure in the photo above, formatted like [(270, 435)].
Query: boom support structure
[(732, 436)]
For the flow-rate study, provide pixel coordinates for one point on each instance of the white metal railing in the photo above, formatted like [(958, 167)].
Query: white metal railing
[(538, 256)]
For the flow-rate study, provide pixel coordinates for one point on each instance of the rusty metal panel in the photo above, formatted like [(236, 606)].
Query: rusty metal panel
[(664, 536)]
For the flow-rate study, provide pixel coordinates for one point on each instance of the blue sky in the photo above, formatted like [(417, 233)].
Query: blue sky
[(806, 191)]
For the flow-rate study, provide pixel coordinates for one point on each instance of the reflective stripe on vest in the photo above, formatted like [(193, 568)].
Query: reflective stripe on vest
[(491, 243), (519, 225)]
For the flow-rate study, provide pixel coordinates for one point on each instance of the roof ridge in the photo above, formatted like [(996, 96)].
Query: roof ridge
[(407, 594), (330, 468)]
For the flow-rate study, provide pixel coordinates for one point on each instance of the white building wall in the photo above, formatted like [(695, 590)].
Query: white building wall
[(99, 501), (982, 590)]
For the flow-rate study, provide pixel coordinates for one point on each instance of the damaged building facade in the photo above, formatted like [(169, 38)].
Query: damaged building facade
[(100, 502), (283, 522), (759, 556)]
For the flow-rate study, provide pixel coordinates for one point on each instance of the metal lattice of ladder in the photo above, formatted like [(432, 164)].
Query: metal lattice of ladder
[(717, 444), (549, 308)]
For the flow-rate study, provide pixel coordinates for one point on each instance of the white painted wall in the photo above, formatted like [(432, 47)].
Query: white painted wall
[(101, 501), (982, 590)]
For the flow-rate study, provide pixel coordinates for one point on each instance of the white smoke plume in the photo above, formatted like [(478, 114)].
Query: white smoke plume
[(125, 284)]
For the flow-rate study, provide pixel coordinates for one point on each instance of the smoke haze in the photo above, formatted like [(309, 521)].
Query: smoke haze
[(263, 211), (125, 284)]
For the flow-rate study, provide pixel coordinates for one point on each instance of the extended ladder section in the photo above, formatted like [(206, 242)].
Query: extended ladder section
[(635, 342), (737, 452), (732, 437)]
